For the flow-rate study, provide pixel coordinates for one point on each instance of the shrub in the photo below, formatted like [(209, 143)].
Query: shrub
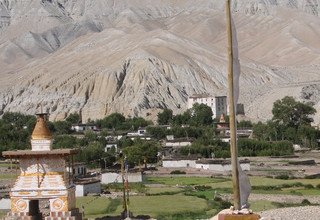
[(308, 186), (202, 188), (305, 202), (282, 177), (177, 172), (318, 186), (249, 147)]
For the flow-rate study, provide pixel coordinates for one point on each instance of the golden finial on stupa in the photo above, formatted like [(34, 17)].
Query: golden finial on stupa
[(41, 130), (222, 120)]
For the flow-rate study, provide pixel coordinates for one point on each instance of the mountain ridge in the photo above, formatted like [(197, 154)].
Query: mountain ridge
[(137, 58)]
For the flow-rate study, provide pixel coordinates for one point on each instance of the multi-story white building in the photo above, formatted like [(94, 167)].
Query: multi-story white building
[(218, 104)]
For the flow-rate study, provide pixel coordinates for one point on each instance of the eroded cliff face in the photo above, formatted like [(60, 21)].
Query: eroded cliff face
[(140, 56)]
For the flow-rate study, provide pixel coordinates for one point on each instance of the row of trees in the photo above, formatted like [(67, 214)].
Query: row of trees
[(198, 115), (294, 126), (291, 121)]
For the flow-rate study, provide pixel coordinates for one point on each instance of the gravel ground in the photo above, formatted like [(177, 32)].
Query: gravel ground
[(292, 213)]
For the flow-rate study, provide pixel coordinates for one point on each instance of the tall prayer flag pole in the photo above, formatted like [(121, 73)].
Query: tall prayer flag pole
[(233, 132)]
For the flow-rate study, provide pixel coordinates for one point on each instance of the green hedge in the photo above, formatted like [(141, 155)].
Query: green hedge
[(249, 147)]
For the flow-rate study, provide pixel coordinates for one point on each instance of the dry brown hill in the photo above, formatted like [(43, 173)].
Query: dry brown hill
[(139, 56)]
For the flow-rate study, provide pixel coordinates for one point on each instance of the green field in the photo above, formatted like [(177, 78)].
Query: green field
[(181, 197), (8, 176), (183, 180), (166, 204), (158, 190), (95, 207), (2, 214)]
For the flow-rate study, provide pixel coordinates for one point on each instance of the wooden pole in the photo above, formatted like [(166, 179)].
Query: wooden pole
[(38, 170), (233, 134), (123, 183)]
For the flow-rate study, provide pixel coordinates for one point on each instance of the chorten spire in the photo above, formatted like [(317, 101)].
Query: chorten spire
[(41, 130), (41, 137)]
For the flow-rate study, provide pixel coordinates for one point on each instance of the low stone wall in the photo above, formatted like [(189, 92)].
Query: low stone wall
[(116, 178)]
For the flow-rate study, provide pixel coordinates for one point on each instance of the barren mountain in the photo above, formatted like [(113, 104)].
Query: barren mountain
[(139, 56)]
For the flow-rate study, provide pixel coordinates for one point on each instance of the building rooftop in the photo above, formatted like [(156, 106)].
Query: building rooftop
[(219, 161)]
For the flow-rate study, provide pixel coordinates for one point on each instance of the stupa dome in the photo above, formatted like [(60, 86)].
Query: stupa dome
[(41, 130)]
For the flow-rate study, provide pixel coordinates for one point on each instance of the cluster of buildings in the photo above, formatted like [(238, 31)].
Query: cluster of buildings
[(51, 175)]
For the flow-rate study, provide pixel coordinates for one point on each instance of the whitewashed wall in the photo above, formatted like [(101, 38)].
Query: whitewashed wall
[(83, 190), (179, 163), (116, 178), (5, 204)]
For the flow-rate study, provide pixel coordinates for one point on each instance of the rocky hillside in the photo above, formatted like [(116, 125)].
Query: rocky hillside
[(139, 56)]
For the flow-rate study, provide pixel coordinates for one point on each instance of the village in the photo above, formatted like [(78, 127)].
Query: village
[(174, 157)]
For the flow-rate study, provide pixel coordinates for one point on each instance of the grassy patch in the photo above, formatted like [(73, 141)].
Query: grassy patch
[(287, 188), (7, 176), (98, 206), (118, 187), (2, 214), (8, 165), (258, 181), (187, 215), (183, 180), (165, 205), (262, 205), (158, 190), (208, 194), (309, 192)]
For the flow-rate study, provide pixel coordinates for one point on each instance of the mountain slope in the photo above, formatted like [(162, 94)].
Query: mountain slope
[(139, 56)]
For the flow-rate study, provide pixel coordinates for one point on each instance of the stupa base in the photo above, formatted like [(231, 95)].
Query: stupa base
[(70, 215), (22, 216), (238, 217)]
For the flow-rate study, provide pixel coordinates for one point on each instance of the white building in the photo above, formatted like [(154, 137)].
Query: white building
[(83, 188), (112, 177), (221, 165), (79, 169), (110, 146), (140, 132), (84, 127), (218, 104), (178, 163), (205, 164), (179, 142)]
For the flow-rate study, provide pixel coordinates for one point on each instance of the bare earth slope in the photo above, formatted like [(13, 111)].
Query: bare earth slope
[(139, 56)]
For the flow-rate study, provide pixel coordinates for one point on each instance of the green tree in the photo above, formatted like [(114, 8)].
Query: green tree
[(62, 127), (64, 141), (73, 118), (113, 121), (165, 117), (15, 131), (141, 150), (308, 136), (91, 154), (292, 113), (157, 132), (244, 124), (182, 119), (201, 115), (135, 123)]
